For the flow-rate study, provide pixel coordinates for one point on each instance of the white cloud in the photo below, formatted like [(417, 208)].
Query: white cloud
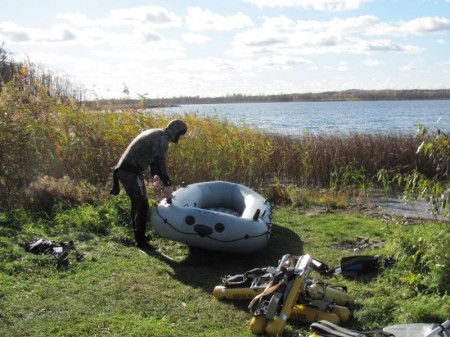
[(384, 45), (77, 19), (281, 35), (11, 32), (341, 66), (427, 25), (140, 42), (199, 19), (208, 64), (418, 26), (321, 5), (158, 50), (337, 35), (195, 38), (373, 62), (153, 16), (408, 67), (278, 62)]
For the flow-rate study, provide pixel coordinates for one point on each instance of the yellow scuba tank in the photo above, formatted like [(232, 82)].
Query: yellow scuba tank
[(276, 325), (222, 292), (342, 312), (310, 314), (318, 290), (258, 324)]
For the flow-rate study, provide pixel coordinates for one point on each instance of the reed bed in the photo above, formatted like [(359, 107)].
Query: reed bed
[(45, 137), (48, 135)]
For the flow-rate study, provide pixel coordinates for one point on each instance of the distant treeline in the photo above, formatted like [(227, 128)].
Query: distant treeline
[(347, 95)]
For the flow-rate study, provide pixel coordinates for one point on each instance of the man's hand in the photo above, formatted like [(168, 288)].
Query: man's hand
[(156, 181), (168, 190)]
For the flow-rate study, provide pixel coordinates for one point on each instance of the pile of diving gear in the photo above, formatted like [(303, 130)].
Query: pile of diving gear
[(286, 291), (59, 251)]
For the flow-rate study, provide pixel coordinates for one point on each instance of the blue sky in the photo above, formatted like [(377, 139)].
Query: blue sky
[(214, 48)]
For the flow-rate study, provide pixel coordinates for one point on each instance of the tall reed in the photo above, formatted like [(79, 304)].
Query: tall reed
[(43, 134)]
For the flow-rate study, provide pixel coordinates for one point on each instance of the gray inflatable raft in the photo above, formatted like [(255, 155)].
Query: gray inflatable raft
[(215, 215)]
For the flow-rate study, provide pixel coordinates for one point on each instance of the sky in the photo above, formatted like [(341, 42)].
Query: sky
[(170, 48)]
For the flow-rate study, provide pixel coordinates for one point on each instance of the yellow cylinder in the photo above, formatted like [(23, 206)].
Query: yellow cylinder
[(310, 314), (276, 326), (258, 324), (221, 292), (319, 291), (342, 312), (314, 335)]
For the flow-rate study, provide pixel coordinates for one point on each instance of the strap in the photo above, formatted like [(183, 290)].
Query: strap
[(116, 186), (274, 305), (332, 331), (441, 327), (269, 290), (246, 279), (328, 329)]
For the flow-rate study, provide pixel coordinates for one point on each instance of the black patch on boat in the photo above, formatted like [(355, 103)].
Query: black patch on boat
[(256, 216), (219, 227), (203, 230)]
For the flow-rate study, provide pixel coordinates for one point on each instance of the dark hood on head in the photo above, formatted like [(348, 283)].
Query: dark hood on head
[(175, 129)]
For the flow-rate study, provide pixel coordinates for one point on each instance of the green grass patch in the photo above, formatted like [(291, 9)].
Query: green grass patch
[(117, 290)]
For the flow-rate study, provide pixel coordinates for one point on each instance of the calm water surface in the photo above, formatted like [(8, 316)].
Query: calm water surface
[(296, 118)]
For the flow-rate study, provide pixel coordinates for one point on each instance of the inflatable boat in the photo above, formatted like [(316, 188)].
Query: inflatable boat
[(215, 215)]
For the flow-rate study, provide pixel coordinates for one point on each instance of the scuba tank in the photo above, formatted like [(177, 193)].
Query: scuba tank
[(342, 312), (222, 292), (258, 324), (311, 314), (320, 290)]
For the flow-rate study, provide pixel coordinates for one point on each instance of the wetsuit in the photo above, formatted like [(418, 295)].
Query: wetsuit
[(148, 149)]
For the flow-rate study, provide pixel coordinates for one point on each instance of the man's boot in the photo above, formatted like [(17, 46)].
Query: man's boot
[(141, 240)]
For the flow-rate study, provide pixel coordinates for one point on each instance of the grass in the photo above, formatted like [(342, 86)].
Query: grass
[(117, 290), (55, 173)]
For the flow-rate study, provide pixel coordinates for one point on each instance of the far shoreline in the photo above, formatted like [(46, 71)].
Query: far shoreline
[(329, 96)]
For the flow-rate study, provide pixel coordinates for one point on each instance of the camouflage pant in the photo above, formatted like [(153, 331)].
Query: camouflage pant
[(134, 185)]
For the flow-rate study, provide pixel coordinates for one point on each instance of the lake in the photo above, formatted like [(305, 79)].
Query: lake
[(296, 118)]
